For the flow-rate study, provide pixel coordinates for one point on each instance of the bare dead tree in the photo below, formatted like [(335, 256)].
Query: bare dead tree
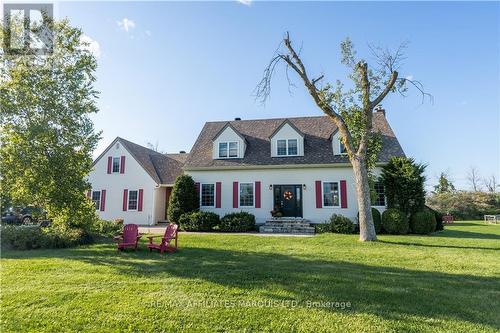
[(491, 184), (371, 87), (474, 179)]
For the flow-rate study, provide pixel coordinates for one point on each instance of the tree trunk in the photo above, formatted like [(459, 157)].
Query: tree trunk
[(366, 227)]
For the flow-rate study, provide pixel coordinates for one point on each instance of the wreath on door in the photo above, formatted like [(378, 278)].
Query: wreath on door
[(288, 195)]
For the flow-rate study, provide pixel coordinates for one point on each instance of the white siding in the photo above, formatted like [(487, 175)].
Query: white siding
[(287, 132), (134, 178), (267, 177)]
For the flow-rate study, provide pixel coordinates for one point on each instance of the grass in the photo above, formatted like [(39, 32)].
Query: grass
[(447, 282)]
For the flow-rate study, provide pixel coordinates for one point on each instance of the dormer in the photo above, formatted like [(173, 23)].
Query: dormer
[(228, 144), (337, 145), (287, 141)]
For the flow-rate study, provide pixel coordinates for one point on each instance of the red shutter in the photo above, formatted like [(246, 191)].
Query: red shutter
[(103, 200), (89, 194), (122, 164), (110, 163), (139, 204), (319, 197), (218, 198), (343, 194), (235, 194), (197, 186), (125, 200), (257, 194)]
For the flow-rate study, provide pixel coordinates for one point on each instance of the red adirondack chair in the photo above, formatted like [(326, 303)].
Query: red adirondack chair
[(165, 245), (129, 238)]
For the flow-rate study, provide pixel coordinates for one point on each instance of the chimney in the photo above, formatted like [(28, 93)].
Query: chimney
[(380, 109), (237, 119), (182, 152)]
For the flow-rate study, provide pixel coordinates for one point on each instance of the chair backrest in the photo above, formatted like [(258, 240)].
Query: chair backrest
[(130, 232), (170, 232)]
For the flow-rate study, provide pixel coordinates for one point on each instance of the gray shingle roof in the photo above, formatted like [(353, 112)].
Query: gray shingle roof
[(163, 168), (317, 144)]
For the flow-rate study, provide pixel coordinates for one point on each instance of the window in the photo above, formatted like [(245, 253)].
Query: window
[(330, 194), (292, 147), (223, 149), (207, 195), (287, 147), (96, 198), (228, 149), (380, 191), (246, 194), (342, 149), (132, 199), (281, 147), (116, 164), (233, 149)]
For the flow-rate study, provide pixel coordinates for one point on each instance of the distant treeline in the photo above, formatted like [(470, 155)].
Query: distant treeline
[(466, 205)]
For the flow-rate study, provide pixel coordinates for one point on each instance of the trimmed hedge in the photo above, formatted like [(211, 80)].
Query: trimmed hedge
[(439, 218), (395, 222), (35, 237), (199, 221), (377, 221), (237, 222), (423, 222)]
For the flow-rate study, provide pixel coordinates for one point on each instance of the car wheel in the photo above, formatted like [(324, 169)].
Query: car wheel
[(27, 220)]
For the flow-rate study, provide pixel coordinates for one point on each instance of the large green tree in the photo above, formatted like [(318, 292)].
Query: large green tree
[(351, 110), (444, 185), (46, 133)]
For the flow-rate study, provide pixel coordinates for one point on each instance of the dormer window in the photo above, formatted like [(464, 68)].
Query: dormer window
[(342, 149), (287, 147), (228, 149)]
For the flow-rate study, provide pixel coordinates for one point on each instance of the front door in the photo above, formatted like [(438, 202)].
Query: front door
[(288, 200)]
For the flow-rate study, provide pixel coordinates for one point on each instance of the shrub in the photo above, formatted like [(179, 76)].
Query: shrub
[(423, 222), (322, 228), (237, 222), (439, 218), (105, 228), (404, 185), (34, 237), (395, 222), (184, 198), (341, 224), (198, 221)]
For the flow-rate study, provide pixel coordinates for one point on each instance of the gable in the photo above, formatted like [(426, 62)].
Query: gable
[(228, 135), (287, 132)]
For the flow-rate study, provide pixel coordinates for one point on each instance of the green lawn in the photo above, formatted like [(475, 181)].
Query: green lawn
[(445, 282)]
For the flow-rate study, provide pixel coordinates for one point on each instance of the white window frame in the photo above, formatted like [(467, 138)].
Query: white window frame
[(128, 201), (323, 193), (340, 148), (253, 192), (201, 194), (113, 164), (228, 143), (287, 147), (385, 197), (98, 207)]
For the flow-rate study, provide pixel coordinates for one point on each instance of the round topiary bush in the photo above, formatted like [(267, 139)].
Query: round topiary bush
[(377, 221), (237, 222), (395, 222), (198, 221), (423, 222), (184, 198), (341, 224)]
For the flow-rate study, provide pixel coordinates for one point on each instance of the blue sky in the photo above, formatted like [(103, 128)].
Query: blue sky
[(165, 68)]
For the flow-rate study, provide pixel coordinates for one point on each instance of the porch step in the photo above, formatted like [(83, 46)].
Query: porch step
[(287, 226)]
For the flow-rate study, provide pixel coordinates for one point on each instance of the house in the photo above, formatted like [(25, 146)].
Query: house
[(133, 183), (294, 166)]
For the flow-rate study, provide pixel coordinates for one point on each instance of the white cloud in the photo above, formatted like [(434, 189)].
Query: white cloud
[(91, 45), (245, 2), (126, 24), (409, 77)]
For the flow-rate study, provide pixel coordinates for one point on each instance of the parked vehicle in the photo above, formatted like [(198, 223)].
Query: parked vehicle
[(26, 215)]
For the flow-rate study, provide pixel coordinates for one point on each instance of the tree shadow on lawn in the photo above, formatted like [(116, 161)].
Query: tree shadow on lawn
[(451, 233), (387, 292), (439, 246)]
